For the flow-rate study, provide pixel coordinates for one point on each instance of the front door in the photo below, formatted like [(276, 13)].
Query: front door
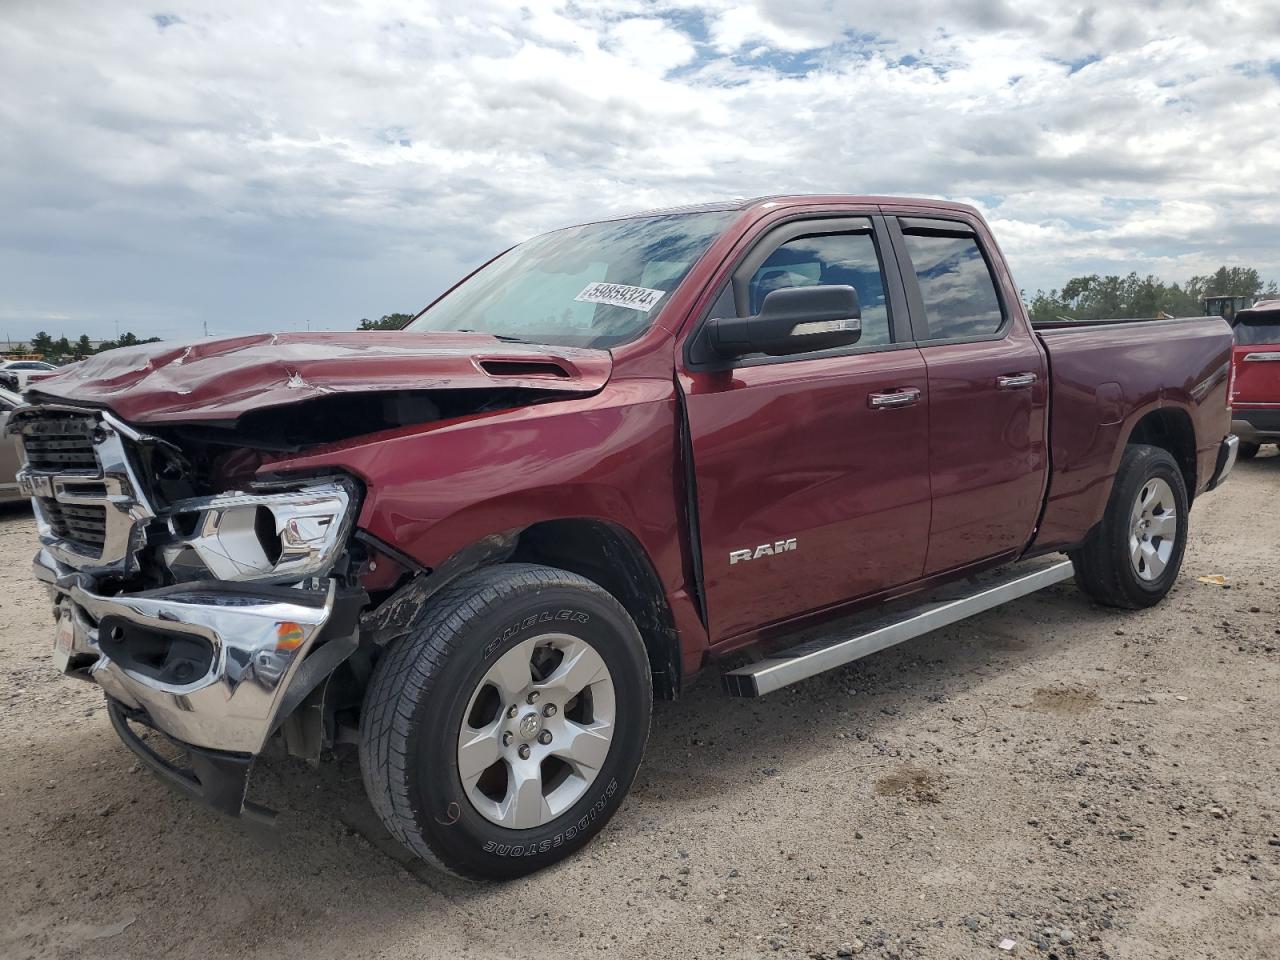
[(988, 394), (811, 488)]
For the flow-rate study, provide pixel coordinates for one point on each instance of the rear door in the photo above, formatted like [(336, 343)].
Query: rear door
[(811, 489), (988, 392)]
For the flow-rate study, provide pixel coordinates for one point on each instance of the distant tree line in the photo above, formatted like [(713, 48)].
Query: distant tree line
[(63, 349), (1095, 298), (389, 321)]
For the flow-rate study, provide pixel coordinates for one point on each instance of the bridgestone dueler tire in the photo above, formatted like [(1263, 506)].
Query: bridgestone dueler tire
[(1103, 566), (414, 706)]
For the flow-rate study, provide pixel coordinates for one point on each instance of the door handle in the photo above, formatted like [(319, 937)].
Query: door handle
[(1015, 381), (888, 400)]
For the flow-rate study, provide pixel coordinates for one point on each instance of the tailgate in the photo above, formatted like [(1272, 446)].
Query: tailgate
[(1255, 359)]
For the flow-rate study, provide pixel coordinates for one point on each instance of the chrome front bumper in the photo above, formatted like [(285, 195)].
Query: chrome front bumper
[(241, 647)]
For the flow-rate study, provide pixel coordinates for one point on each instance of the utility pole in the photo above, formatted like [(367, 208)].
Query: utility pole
[(206, 328)]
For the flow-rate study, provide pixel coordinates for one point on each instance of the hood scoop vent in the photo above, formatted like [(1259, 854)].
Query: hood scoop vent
[(523, 368)]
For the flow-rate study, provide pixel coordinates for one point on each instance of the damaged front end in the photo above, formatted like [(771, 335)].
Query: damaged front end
[(209, 618)]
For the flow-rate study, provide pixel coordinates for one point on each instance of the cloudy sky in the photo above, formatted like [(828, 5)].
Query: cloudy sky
[(261, 166)]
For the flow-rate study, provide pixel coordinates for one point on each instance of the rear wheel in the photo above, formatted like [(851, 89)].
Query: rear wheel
[(1132, 558), (1247, 451), (503, 733)]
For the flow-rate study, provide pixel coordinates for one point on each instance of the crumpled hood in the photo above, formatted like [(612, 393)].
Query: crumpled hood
[(219, 380)]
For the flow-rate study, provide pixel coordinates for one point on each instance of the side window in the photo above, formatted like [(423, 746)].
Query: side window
[(828, 258), (955, 282)]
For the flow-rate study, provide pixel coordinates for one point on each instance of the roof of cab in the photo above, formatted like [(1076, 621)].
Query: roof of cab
[(804, 200)]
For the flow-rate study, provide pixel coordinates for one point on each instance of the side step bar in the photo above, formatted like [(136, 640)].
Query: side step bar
[(838, 648)]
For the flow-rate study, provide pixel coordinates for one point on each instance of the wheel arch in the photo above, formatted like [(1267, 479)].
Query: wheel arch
[(608, 554), (1171, 429), (602, 551)]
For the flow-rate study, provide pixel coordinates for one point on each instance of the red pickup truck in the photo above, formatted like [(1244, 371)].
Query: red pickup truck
[(1255, 391), (610, 457)]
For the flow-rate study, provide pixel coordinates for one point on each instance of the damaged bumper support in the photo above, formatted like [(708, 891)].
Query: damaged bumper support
[(215, 667)]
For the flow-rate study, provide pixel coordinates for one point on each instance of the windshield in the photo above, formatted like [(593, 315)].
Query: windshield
[(596, 285)]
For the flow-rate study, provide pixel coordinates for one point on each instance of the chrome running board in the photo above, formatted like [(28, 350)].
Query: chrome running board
[(833, 649)]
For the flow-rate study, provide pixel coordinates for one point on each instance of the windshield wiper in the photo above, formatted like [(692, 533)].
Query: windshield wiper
[(504, 337)]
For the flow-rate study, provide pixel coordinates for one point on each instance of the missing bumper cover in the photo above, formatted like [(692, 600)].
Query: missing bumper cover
[(217, 778)]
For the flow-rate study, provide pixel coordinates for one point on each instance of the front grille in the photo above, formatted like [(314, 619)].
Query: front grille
[(78, 471), (85, 527), (62, 443)]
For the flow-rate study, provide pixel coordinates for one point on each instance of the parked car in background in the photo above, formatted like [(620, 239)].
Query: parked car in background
[(17, 375), (10, 458), (1255, 392)]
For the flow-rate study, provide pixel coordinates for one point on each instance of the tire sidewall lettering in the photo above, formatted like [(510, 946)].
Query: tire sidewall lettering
[(565, 836), (531, 621)]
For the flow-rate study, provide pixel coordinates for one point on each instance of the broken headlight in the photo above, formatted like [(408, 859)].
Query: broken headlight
[(281, 537)]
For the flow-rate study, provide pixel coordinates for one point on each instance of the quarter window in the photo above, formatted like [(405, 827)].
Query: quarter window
[(955, 283), (834, 259)]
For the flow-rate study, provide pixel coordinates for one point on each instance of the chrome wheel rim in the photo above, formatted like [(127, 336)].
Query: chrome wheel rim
[(1153, 529), (536, 731)]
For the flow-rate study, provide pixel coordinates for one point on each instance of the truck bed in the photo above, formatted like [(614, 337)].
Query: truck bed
[(1063, 323), (1111, 376)]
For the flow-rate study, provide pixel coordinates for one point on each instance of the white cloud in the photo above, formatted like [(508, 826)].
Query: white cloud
[(251, 165)]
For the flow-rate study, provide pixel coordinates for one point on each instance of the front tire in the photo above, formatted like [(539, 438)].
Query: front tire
[(1132, 558), (1247, 451), (501, 734)]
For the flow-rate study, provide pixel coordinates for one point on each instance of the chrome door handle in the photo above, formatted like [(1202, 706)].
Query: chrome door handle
[(1015, 381), (906, 397)]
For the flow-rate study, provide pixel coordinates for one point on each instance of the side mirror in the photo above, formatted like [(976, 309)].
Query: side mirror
[(792, 320)]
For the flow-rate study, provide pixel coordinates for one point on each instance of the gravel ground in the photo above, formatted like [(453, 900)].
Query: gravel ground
[(1080, 781)]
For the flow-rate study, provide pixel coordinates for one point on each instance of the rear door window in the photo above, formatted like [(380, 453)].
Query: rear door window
[(957, 289)]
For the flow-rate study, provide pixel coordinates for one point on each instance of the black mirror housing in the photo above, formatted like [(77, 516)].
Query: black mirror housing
[(792, 320)]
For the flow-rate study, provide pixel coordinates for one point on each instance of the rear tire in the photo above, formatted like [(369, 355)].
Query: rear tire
[(477, 751), (1132, 558), (1247, 451)]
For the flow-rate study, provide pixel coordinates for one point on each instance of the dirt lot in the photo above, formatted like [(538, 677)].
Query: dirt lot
[(1084, 782)]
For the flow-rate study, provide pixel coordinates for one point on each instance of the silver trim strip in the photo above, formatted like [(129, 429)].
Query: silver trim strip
[(809, 659)]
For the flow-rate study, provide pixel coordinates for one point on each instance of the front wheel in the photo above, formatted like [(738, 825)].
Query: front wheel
[(502, 733), (1132, 558)]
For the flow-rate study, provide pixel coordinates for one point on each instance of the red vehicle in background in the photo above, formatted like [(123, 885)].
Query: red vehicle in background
[(1255, 362)]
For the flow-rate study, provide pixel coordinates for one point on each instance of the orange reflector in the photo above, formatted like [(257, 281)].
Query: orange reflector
[(289, 636)]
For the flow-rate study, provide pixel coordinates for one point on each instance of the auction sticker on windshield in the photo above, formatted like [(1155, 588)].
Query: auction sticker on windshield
[(621, 295)]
